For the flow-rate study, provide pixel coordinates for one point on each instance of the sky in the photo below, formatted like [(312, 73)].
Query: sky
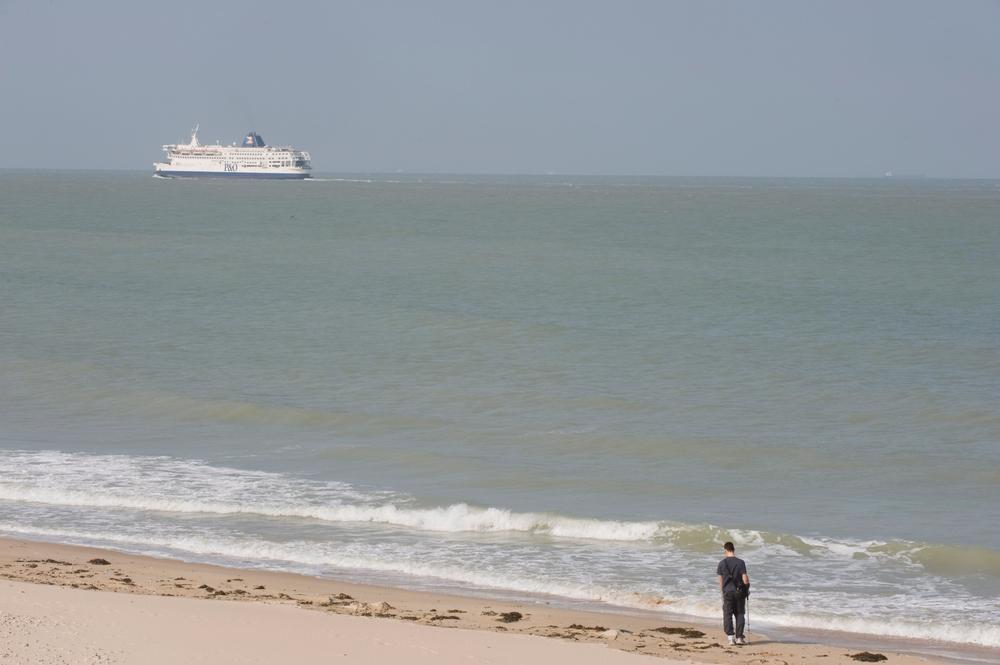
[(845, 88)]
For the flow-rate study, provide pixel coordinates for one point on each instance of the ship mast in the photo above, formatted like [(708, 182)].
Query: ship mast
[(194, 136)]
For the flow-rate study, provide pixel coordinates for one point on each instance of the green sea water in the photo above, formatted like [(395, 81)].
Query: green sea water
[(565, 385)]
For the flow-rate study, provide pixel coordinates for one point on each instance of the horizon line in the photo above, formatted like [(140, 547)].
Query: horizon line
[(397, 173)]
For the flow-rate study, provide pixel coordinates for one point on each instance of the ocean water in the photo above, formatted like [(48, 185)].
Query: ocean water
[(561, 387)]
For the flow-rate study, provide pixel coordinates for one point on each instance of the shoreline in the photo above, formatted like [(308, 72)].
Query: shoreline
[(72, 568)]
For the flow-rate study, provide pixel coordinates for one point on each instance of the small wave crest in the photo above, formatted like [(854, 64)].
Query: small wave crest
[(947, 560)]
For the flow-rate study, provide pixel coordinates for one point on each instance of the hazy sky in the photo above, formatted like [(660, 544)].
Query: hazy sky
[(798, 88)]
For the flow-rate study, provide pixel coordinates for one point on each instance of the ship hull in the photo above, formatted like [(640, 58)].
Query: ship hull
[(233, 176)]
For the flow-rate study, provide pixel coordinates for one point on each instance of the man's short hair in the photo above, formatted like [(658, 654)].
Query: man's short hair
[(729, 547)]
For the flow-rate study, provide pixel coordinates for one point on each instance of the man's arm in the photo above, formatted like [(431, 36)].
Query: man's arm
[(720, 583)]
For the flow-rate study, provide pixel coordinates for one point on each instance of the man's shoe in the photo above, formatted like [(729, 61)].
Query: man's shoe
[(740, 641), (732, 640)]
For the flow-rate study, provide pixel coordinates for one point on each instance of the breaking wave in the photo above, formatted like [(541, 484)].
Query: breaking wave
[(454, 518), (169, 485)]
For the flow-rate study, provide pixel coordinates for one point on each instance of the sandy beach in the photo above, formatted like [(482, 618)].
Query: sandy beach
[(69, 604)]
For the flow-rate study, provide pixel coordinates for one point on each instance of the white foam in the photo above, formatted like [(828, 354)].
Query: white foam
[(454, 518), (156, 483), (366, 181), (184, 486), (841, 549), (987, 635)]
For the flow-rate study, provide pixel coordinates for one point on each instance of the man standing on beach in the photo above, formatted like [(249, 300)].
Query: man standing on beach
[(734, 583)]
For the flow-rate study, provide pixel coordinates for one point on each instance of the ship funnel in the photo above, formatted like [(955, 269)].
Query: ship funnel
[(253, 140)]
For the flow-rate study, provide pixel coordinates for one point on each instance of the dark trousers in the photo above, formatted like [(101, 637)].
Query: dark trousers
[(733, 604)]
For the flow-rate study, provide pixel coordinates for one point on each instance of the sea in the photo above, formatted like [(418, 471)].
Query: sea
[(566, 389)]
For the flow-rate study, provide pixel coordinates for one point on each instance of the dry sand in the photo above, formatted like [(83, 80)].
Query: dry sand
[(61, 604)]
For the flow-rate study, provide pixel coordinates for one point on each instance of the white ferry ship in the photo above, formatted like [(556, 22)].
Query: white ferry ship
[(252, 159)]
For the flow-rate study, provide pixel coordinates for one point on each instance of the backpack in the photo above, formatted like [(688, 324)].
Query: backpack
[(742, 590)]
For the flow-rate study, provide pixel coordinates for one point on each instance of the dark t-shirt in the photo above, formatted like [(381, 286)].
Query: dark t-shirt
[(731, 569)]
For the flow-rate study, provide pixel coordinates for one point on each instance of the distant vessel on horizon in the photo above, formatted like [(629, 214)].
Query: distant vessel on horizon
[(252, 159), (906, 176)]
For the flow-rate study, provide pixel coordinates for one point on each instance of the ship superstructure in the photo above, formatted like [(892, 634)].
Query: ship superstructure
[(252, 159)]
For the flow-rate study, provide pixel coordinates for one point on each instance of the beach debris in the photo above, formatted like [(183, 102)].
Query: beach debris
[(868, 657), (284, 596), (683, 632), (510, 617), (456, 611), (55, 561), (99, 562), (409, 618), (488, 613), (577, 626), (124, 580), (259, 586), (339, 599), (370, 609), (235, 579), (611, 634), (442, 617)]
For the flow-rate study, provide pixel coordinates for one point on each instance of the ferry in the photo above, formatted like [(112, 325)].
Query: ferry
[(252, 159)]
